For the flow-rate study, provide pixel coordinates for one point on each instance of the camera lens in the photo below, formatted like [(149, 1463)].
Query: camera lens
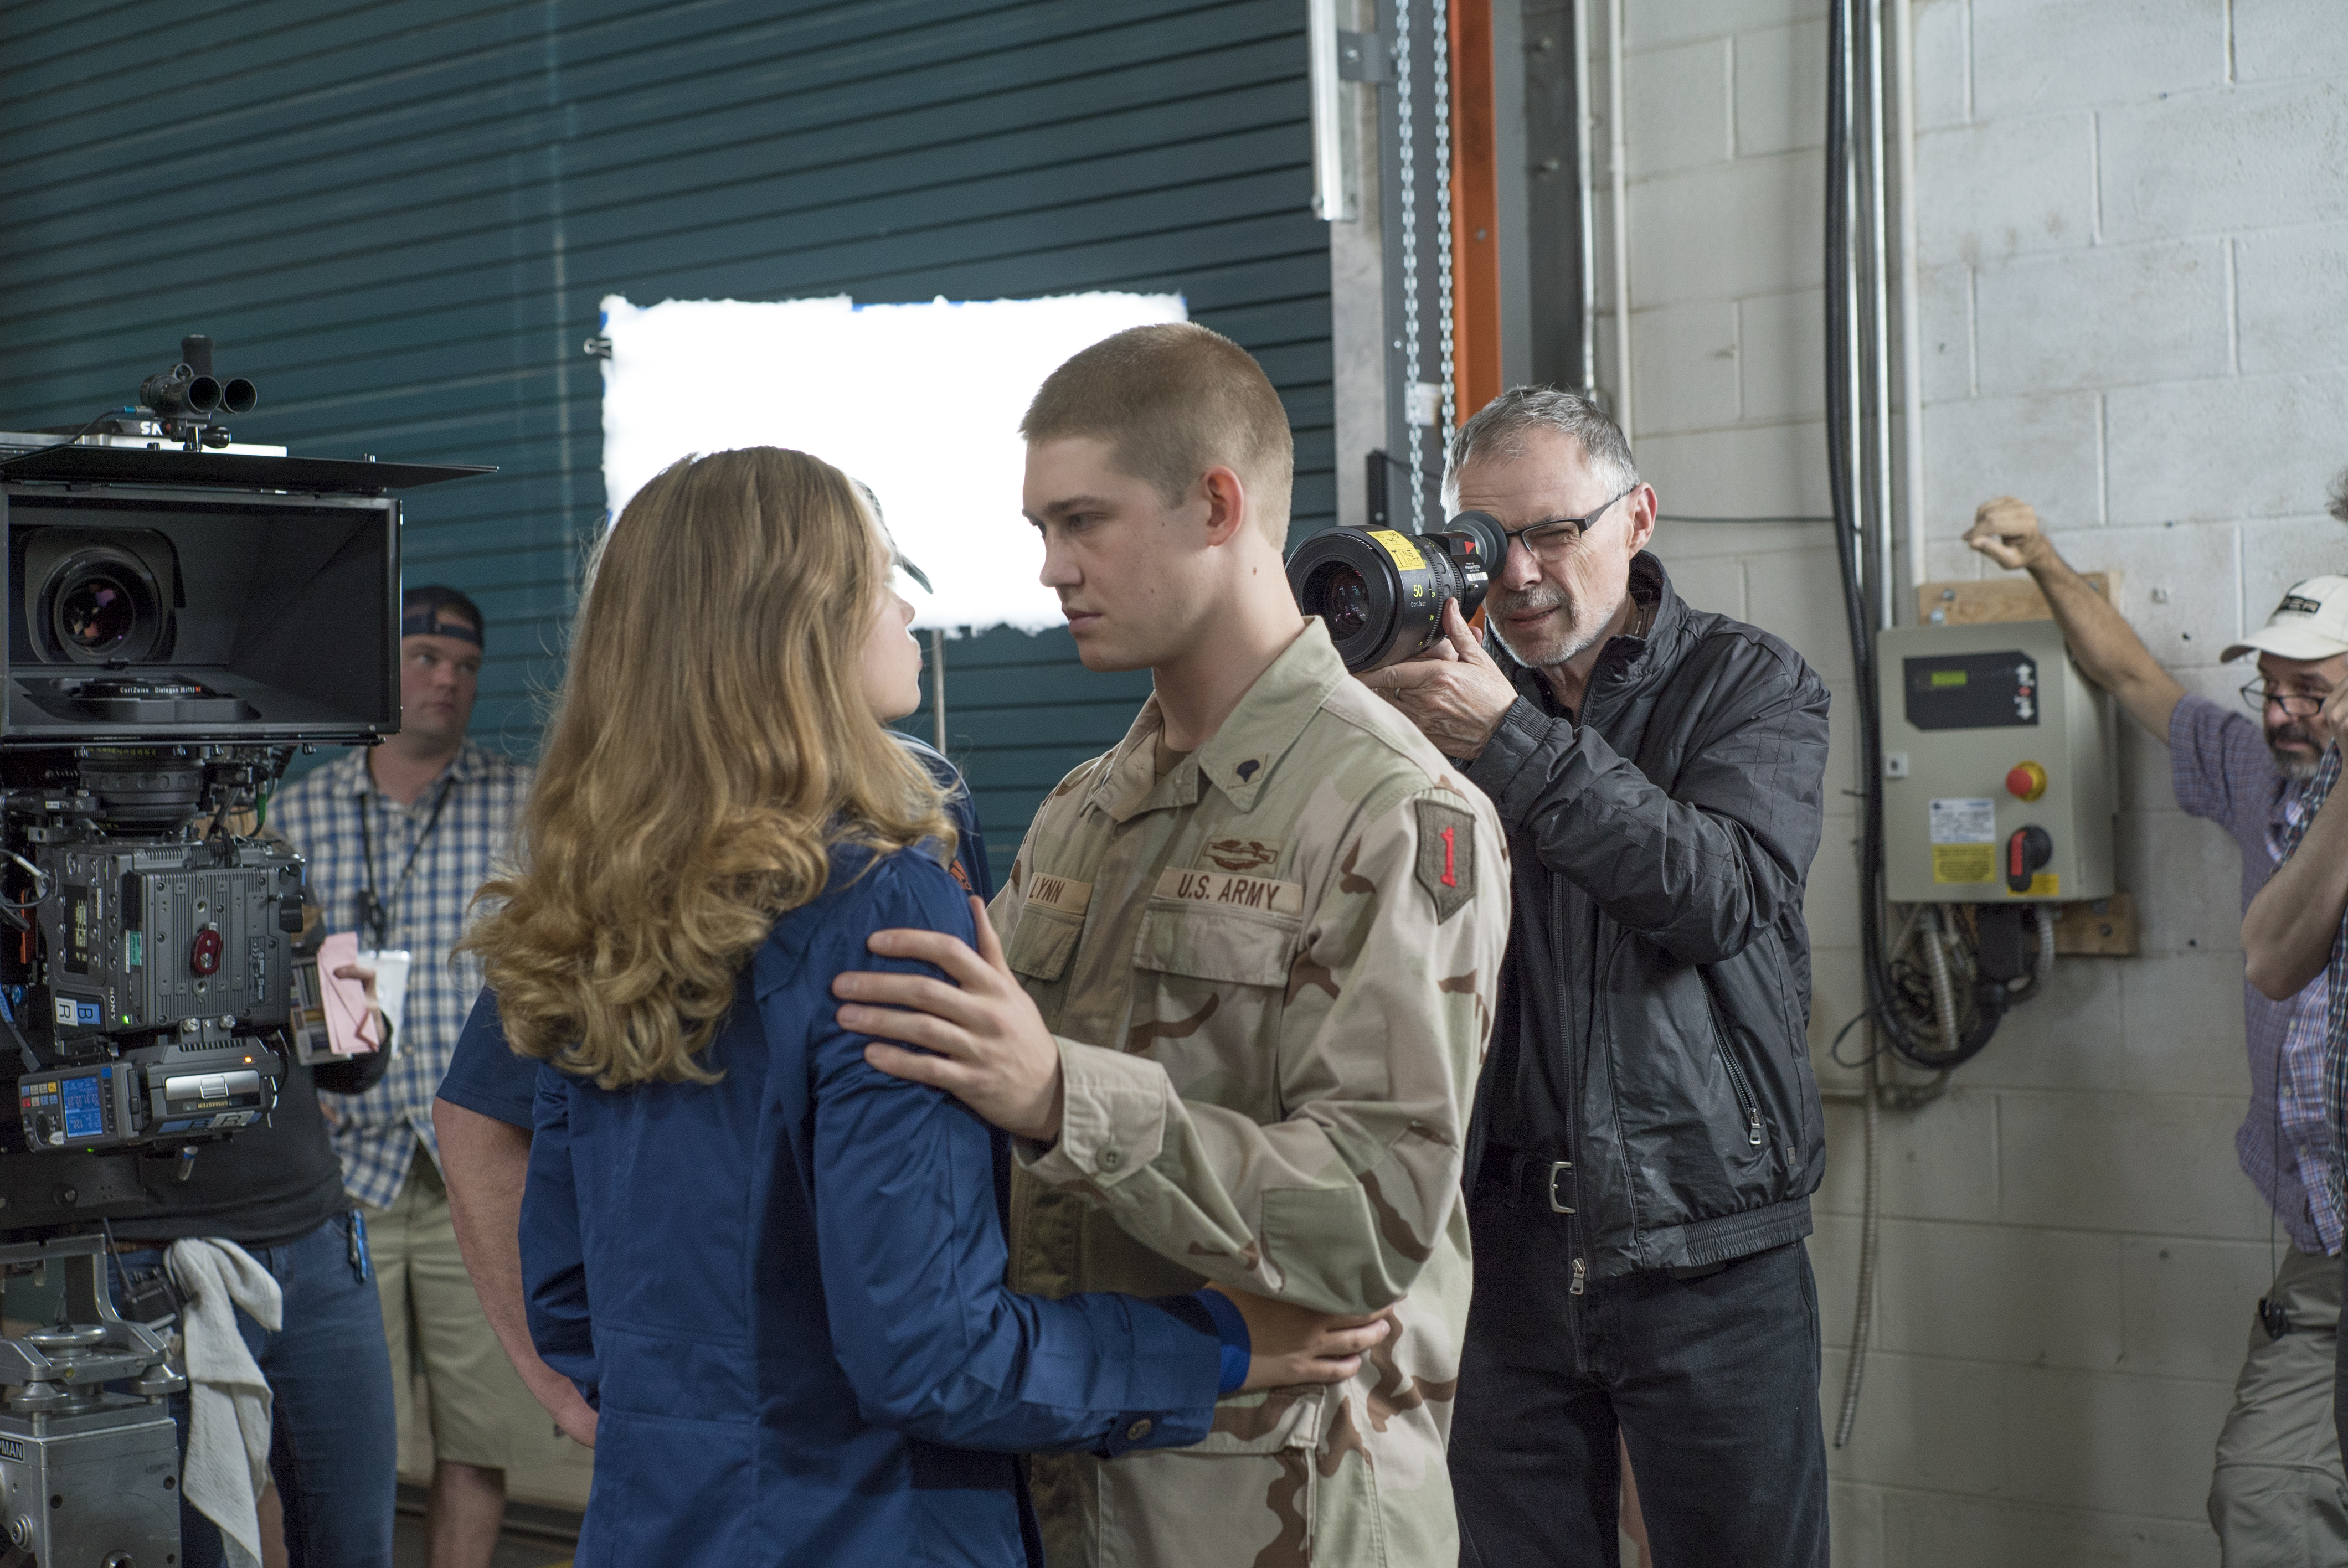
[(1382, 593), (96, 616), (1346, 599), (100, 604)]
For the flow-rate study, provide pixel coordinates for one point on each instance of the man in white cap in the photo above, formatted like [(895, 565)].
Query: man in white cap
[(2277, 1494), (2295, 932)]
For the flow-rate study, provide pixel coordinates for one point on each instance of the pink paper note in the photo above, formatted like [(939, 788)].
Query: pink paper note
[(350, 1022)]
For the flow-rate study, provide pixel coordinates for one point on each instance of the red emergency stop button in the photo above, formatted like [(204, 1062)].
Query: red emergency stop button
[(2026, 781)]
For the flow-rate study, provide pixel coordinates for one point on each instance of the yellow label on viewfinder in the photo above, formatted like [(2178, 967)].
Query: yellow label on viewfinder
[(1405, 554), (1964, 863)]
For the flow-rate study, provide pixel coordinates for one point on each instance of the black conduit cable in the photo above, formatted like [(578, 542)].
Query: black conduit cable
[(1884, 1002), (1862, 649), (1901, 1032)]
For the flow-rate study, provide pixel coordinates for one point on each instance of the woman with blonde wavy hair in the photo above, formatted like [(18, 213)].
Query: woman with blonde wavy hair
[(775, 1272)]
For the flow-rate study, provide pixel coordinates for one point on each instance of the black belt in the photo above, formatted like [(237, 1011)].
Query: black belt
[(1532, 1180), (1535, 1181)]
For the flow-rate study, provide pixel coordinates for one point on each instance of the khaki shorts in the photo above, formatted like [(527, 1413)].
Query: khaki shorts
[(481, 1412), (2276, 1499)]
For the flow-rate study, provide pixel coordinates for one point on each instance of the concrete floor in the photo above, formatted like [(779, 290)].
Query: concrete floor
[(533, 1538), (514, 1552)]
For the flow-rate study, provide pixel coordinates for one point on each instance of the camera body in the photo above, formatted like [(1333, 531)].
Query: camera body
[(168, 648), (184, 614), (1382, 592), (178, 954)]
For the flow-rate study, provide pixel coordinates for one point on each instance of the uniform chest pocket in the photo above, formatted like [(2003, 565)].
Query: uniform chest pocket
[(1040, 944), (1236, 947)]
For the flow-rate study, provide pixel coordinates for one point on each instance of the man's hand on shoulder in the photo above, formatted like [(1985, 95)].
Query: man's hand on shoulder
[(2006, 530), (980, 1037), (1455, 693)]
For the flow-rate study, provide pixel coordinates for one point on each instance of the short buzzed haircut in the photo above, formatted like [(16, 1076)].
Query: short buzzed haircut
[(1172, 402)]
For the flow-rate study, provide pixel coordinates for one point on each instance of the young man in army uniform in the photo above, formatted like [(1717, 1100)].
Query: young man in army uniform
[(1232, 1000)]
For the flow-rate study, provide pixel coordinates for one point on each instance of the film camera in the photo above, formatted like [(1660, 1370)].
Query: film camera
[(183, 614), (1382, 592)]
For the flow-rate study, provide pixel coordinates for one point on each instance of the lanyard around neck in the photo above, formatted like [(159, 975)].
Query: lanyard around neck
[(374, 912)]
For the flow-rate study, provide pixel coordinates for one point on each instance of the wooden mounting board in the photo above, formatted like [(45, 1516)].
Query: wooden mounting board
[(1976, 600), (2108, 931)]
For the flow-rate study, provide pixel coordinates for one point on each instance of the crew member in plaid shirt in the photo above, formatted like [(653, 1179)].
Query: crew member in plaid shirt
[(2295, 933), (2277, 1494), (398, 838)]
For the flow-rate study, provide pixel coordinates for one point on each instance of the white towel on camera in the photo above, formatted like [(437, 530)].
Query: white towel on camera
[(227, 1462)]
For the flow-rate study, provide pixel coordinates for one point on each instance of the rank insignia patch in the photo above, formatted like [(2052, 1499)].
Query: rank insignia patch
[(1446, 866)]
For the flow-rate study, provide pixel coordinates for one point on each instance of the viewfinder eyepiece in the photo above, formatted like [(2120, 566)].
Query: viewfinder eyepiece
[(181, 391)]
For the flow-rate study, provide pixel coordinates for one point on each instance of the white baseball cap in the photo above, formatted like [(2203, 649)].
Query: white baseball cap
[(2312, 622)]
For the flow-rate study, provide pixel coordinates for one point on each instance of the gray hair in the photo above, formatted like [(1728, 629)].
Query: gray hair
[(1498, 429)]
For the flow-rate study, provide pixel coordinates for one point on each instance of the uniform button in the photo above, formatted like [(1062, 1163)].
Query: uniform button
[(1138, 1431), (1110, 1159)]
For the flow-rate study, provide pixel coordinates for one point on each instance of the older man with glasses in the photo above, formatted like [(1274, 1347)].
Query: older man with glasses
[(1647, 1131), (2276, 1497)]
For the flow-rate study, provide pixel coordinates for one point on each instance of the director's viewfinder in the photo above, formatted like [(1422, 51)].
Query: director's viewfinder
[(1383, 592)]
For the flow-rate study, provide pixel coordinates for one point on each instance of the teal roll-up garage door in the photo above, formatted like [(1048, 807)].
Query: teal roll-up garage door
[(398, 218)]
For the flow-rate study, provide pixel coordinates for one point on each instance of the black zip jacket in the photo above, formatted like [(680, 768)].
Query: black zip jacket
[(1653, 1018)]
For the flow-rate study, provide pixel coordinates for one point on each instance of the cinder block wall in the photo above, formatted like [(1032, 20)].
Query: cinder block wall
[(2135, 242)]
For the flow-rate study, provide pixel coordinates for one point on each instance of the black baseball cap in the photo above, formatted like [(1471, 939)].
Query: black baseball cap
[(438, 610)]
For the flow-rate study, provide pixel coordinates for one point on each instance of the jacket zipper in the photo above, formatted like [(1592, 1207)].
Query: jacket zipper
[(1744, 1099), (1557, 963)]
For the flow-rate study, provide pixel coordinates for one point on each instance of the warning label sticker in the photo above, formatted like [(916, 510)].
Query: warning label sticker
[(1964, 862), (1962, 821), (1964, 839), (1405, 554)]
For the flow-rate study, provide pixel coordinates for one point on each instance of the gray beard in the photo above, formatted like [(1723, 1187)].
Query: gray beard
[(2297, 770), (1578, 636)]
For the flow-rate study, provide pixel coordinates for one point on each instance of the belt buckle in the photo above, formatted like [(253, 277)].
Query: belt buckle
[(1556, 1169)]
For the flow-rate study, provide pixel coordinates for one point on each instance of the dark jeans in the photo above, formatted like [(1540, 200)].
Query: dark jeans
[(332, 1445), (1713, 1382)]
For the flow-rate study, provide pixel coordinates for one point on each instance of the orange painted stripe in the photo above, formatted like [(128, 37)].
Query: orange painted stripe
[(1474, 208)]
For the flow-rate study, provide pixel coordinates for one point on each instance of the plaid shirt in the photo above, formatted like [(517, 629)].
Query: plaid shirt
[(2335, 980), (376, 1132), (2221, 769)]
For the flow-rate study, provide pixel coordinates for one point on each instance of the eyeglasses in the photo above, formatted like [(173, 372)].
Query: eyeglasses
[(1555, 539), (2294, 704)]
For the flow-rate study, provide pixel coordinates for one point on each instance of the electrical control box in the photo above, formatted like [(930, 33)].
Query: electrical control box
[(1999, 776)]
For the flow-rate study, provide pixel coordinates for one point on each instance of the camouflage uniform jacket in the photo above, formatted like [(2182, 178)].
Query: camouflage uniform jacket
[(1271, 972)]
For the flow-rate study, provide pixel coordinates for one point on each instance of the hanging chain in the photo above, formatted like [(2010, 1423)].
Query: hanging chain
[(1409, 156), (1442, 83)]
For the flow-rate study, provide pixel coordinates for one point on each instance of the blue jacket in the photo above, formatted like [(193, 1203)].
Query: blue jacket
[(784, 1291), (487, 1076)]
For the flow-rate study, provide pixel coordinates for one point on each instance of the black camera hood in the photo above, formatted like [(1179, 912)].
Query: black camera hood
[(71, 462)]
